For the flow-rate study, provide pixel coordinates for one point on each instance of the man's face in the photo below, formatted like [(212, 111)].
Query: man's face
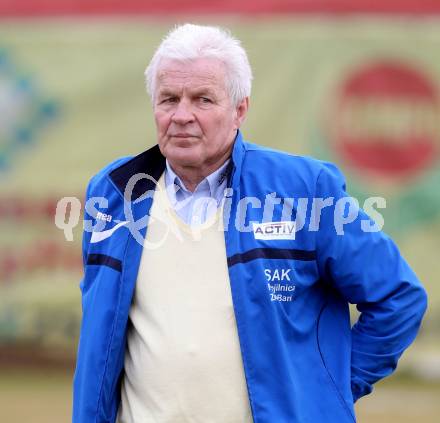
[(195, 118)]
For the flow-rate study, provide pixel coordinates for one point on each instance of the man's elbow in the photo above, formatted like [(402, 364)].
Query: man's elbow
[(422, 301), (417, 305)]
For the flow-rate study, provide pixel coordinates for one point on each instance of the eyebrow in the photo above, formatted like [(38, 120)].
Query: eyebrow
[(167, 92), (203, 90)]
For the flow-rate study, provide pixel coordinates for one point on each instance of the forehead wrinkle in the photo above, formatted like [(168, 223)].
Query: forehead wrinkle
[(187, 78), (194, 85), (177, 79)]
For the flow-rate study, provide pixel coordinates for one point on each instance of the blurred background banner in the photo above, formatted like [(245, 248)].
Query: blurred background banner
[(353, 82), (117, 7)]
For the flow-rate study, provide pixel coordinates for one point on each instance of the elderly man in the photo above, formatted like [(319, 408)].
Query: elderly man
[(209, 294)]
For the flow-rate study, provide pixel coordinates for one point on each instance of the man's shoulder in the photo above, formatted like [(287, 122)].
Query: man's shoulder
[(102, 175), (282, 161)]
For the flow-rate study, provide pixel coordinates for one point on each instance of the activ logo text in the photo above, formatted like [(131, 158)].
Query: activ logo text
[(274, 230)]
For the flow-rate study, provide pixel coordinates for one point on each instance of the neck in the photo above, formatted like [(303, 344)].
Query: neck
[(191, 176)]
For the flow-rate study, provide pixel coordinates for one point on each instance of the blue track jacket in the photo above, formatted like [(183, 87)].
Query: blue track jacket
[(303, 361)]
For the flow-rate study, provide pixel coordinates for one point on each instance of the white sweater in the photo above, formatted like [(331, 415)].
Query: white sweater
[(183, 361)]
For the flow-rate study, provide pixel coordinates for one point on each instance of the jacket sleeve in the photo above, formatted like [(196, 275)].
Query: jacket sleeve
[(86, 235), (368, 270), (79, 383)]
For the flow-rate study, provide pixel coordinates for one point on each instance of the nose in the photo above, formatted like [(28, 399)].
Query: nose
[(183, 113)]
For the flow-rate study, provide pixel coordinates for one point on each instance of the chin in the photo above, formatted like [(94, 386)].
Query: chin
[(183, 158)]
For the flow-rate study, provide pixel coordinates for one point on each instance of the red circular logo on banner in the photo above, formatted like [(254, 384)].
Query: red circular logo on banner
[(387, 120)]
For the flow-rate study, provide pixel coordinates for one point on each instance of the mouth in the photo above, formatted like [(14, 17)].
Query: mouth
[(183, 135)]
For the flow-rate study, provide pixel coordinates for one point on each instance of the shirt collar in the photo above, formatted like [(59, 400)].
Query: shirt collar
[(216, 182)]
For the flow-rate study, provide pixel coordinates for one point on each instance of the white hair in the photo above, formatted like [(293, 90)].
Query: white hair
[(190, 42)]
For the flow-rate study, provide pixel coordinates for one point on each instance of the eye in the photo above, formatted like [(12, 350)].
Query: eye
[(169, 100), (205, 100)]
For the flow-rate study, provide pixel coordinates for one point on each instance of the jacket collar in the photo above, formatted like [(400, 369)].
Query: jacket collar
[(237, 160), (152, 163)]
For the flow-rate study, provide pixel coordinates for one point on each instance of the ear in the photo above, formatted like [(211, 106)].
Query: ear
[(241, 112)]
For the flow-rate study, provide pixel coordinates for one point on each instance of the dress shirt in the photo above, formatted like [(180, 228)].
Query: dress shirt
[(194, 208)]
